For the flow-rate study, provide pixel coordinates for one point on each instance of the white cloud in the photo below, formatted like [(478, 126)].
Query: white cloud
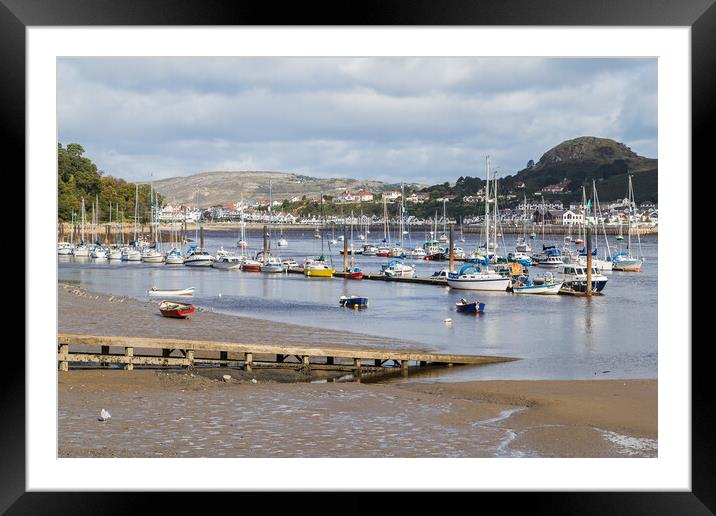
[(391, 118)]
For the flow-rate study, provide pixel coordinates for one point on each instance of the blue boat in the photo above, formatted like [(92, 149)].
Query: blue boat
[(470, 307), (353, 301)]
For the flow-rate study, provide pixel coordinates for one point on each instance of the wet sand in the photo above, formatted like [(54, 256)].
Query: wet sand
[(162, 413), (83, 311), (182, 414)]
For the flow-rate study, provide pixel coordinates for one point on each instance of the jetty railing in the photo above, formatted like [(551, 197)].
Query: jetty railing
[(167, 352)]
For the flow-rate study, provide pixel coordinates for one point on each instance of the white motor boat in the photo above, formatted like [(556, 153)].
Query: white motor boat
[(370, 250), (289, 263), (227, 262), (273, 265), (397, 269), (549, 257), (470, 277), (64, 248), (198, 257), (458, 253), (418, 253), (98, 252)]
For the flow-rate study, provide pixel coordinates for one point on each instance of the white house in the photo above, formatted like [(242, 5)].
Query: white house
[(570, 218)]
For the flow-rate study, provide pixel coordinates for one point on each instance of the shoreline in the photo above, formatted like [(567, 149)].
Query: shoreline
[(65, 228), (182, 414), (179, 413)]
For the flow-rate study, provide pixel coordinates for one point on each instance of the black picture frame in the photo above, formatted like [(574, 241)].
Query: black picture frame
[(700, 15)]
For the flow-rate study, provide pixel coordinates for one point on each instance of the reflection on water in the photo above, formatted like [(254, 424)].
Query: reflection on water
[(560, 337)]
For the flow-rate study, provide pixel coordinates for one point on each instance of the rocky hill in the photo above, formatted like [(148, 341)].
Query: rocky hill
[(582, 159), (220, 187)]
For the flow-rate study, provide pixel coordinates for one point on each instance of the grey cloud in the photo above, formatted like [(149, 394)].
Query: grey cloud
[(389, 118)]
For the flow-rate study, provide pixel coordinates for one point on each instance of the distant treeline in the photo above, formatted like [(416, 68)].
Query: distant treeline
[(78, 177)]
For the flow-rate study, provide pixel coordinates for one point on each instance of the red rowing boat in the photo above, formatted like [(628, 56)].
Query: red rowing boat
[(355, 273), (177, 310)]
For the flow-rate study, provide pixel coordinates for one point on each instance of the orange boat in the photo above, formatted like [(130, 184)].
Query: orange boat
[(176, 310)]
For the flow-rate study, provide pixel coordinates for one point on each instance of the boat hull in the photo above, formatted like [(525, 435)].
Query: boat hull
[(198, 263), (354, 302), (627, 265), (166, 293), (538, 289), (497, 284), (581, 286), (175, 310), (174, 260), (474, 307), (319, 273), (251, 267), (153, 259)]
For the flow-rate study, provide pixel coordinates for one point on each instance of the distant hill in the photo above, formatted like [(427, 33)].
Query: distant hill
[(220, 187), (585, 158)]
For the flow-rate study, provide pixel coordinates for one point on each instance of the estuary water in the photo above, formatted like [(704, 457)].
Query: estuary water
[(558, 337)]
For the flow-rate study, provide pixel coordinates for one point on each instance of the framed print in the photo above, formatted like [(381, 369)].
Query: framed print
[(286, 247)]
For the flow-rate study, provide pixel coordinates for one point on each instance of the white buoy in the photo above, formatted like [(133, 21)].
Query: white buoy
[(104, 415), (447, 321)]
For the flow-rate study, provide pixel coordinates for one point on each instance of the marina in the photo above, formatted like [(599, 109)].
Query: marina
[(559, 336)]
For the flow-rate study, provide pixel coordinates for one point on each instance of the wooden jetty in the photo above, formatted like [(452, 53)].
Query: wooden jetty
[(189, 353), (382, 277)]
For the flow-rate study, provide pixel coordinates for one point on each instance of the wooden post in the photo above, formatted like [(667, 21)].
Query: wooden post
[(129, 353), (452, 253), (589, 261), (223, 355), (64, 363), (248, 361), (345, 248), (280, 358), (404, 367), (305, 362), (190, 358), (329, 360), (105, 351)]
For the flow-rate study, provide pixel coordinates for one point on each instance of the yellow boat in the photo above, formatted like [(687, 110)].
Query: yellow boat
[(319, 272), (318, 269)]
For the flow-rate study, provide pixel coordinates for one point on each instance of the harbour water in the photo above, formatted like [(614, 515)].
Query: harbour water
[(559, 337)]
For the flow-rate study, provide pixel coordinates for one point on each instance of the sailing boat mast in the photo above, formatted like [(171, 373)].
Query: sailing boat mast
[(487, 207), (136, 210), (82, 237)]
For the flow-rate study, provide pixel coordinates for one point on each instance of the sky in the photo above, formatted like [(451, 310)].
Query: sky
[(424, 120)]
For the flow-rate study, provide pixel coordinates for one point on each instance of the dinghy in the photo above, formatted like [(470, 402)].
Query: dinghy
[(176, 310), (470, 307), (354, 301), (154, 291)]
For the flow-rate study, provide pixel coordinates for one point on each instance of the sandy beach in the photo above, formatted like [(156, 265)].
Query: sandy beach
[(176, 413)]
